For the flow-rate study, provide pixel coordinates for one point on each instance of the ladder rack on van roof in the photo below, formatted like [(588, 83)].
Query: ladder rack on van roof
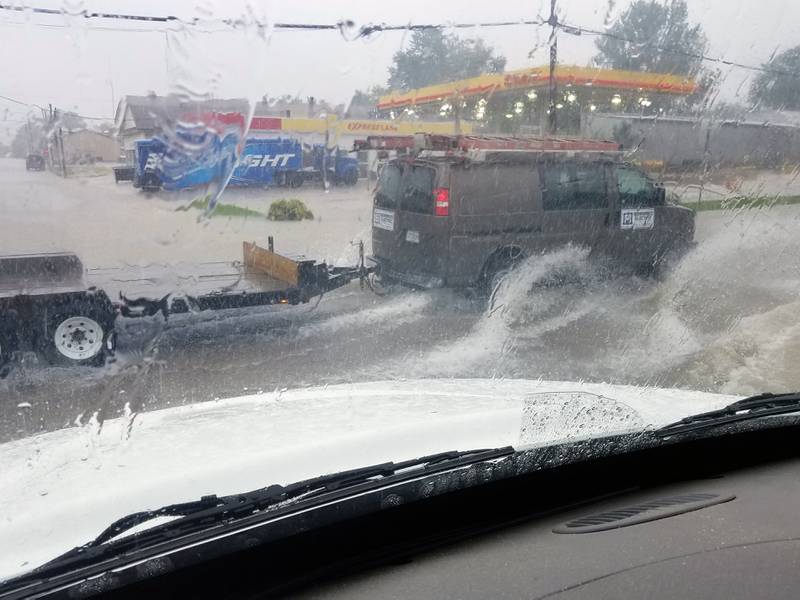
[(476, 147)]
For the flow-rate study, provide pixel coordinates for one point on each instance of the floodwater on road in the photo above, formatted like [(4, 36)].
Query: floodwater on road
[(723, 319)]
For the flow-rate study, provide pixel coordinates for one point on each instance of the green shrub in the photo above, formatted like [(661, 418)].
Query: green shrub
[(289, 210)]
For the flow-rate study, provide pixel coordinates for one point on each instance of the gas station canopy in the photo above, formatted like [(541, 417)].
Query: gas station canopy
[(538, 77)]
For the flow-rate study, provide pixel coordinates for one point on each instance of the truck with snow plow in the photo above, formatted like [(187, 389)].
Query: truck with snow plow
[(281, 161)]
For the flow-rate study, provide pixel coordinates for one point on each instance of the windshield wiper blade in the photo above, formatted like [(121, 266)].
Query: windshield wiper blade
[(753, 407), (211, 510)]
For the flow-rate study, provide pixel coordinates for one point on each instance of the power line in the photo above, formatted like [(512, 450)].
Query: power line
[(580, 30), (20, 102), (345, 26), (366, 30), (341, 26), (64, 112)]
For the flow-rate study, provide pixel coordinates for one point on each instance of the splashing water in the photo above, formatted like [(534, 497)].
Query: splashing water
[(721, 319), (515, 304)]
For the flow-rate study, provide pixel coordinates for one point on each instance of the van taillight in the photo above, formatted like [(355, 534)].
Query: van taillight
[(441, 202)]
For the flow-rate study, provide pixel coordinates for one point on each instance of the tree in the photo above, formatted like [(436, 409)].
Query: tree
[(106, 127), (644, 35), (70, 121), (433, 57), (779, 88), (362, 104), (30, 137)]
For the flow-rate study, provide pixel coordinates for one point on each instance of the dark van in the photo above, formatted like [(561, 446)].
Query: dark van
[(34, 162), (457, 219)]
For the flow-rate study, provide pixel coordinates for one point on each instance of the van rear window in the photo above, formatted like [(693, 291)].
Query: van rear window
[(418, 190), (408, 187), (388, 192)]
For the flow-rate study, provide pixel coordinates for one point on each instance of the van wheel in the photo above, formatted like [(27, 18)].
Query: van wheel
[(79, 333), (381, 285)]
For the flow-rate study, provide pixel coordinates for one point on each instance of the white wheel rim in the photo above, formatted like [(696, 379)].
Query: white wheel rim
[(79, 338)]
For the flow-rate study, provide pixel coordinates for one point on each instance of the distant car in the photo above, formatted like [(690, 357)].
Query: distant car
[(34, 162)]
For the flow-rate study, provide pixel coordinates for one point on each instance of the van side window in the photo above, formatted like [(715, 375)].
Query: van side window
[(635, 189), (497, 189), (572, 186)]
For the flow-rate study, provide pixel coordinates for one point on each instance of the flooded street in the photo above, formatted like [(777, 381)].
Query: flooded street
[(724, 319)]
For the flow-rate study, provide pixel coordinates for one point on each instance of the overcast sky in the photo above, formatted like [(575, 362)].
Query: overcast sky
[(64, 61)]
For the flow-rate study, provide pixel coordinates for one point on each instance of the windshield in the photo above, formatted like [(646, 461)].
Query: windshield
[(249, 243)]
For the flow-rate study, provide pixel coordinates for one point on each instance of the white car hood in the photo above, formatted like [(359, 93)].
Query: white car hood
[(61, 489)]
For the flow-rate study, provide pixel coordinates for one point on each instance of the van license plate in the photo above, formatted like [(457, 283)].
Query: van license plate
[(383, 219), (412, 236), (638, 218)]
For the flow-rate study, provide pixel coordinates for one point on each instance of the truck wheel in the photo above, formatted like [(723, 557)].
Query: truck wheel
[(79, 333), (351, 177), (295, 180)]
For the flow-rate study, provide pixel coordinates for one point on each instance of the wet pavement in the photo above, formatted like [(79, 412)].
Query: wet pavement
[(724, 319)]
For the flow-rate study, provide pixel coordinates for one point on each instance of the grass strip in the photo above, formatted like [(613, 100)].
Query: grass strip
[(739, 202), (222, 209)]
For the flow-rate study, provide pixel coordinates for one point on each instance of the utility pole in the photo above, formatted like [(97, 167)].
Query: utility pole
[(61, 151), (59, 142), (30, 136), (51, 158), (113, 99), (553, 90)]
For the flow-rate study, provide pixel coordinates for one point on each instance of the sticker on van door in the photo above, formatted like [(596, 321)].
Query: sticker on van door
[(383, 219), (637, 218)]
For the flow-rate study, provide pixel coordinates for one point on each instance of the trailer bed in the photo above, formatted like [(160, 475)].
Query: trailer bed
[(194, 279), (262, 277), (52, 305)]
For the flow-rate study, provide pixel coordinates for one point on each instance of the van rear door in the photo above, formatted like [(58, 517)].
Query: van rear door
[(410, 224)]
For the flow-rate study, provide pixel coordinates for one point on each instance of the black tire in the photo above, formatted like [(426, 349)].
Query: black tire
[(382, 285), (295, 180), (79, 331), (350, 177)]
